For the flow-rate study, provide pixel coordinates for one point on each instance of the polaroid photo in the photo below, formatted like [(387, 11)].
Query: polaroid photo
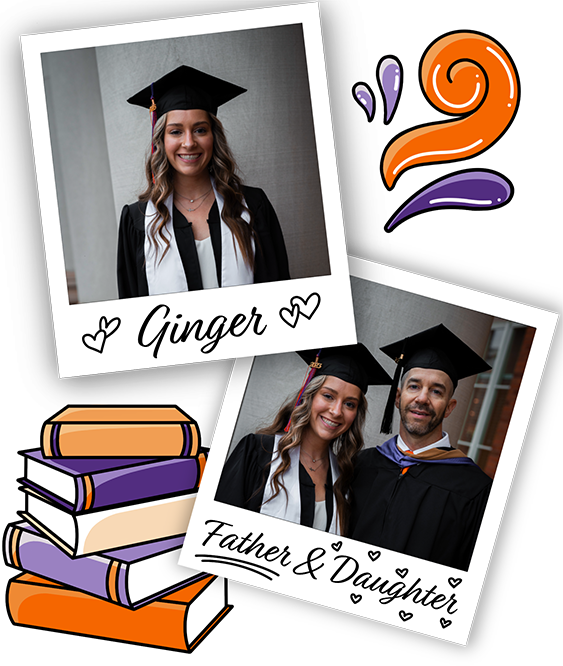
[(188, 189), (421, 503)]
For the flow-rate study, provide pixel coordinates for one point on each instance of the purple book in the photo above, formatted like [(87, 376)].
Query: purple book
[(86, 484), (130, 577)]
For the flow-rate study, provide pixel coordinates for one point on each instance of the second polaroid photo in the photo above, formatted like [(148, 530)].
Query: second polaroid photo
[(372, 478)]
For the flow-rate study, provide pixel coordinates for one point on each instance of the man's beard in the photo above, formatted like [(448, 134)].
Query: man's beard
[(420, 429)]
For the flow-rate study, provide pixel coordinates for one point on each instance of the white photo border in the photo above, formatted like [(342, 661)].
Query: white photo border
[(235, 322), (296, 574)]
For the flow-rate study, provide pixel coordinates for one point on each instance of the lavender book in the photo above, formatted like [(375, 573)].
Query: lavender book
[(130, 577)]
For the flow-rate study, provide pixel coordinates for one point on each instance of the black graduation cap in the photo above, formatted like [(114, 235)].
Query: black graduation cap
[(436, 348), (352, 363), (186, 88)]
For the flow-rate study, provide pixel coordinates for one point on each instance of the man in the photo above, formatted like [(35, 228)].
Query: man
[(416, 494)]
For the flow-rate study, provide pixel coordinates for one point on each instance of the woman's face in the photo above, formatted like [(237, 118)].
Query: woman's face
[(334, 408), (188, 141)]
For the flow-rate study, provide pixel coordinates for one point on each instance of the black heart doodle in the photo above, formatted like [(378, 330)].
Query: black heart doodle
[(337, 546), (97, 342), (374, 554), (309, 306), (356, 598), (454, 582), (405, 617), (445, 623), (111, 326), (402, 572), (300, 306), (290, 317)]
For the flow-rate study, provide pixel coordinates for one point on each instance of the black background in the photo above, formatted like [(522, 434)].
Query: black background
[(510, 251)]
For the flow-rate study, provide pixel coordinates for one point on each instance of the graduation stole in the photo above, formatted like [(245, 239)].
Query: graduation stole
[(405, 459), (165, 274), (289, 508)]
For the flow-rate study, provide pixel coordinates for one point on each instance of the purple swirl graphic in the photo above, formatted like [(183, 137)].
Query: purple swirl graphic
[(475, 189)]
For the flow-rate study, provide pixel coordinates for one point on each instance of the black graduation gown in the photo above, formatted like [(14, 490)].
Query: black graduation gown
[(271, 262), (245, 474), (433, 511)]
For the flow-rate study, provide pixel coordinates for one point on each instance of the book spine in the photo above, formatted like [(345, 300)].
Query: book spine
[(44, 605), (117, 527), (116, 583), (86, 492), (119, 440), (100, 575), (126, 485), (133, 524), (39, 556), (192, 438), (49, 440), (138, 483)]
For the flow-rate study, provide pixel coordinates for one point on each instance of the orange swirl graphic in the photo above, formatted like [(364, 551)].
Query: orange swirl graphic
[(463, 74)]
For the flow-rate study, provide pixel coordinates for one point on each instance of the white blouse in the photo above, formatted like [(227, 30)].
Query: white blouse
[(207, 264), (319, 521)]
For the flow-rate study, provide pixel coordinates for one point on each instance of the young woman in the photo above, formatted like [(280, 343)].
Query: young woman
[(195, 226), (301, 466)]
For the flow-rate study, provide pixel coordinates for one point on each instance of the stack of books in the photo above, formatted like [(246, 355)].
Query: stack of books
[(108, 498)]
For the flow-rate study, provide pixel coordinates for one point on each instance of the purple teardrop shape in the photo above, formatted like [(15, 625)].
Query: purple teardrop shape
[(364, 96), (390, 81)]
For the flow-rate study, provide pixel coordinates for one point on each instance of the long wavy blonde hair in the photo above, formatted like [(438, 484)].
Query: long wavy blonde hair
[(160, 185), (345, 447)]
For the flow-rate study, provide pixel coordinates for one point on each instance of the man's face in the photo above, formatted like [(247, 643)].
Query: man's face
[(424, 401)]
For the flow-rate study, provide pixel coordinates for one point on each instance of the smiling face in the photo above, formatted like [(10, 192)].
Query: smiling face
[(334, 409), (188, 142), (424, 401)]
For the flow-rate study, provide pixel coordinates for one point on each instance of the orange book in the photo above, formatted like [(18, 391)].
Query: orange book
[(178, 621), (120, 431)]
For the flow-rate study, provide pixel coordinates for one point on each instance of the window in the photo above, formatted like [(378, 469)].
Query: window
[(494, 393)]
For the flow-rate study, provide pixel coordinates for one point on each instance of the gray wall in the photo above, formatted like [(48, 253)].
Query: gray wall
[(100, 142), (383, 315), (82, 171)]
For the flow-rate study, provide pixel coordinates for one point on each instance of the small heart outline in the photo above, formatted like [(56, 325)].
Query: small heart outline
[(92, 342), (402, 572), (111, 326), (445, 623), (292, 317), (374, 555), (106, 328), (303, 309), (405, 617), (356, 598), (454, 582), (336, 546), (300, 306)]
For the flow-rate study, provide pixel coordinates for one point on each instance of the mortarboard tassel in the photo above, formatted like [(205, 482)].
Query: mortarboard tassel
[(152, 111), (387, 422), (314, 366)]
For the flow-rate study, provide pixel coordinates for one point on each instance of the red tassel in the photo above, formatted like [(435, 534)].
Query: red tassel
[(308, 377), (152, 111)]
